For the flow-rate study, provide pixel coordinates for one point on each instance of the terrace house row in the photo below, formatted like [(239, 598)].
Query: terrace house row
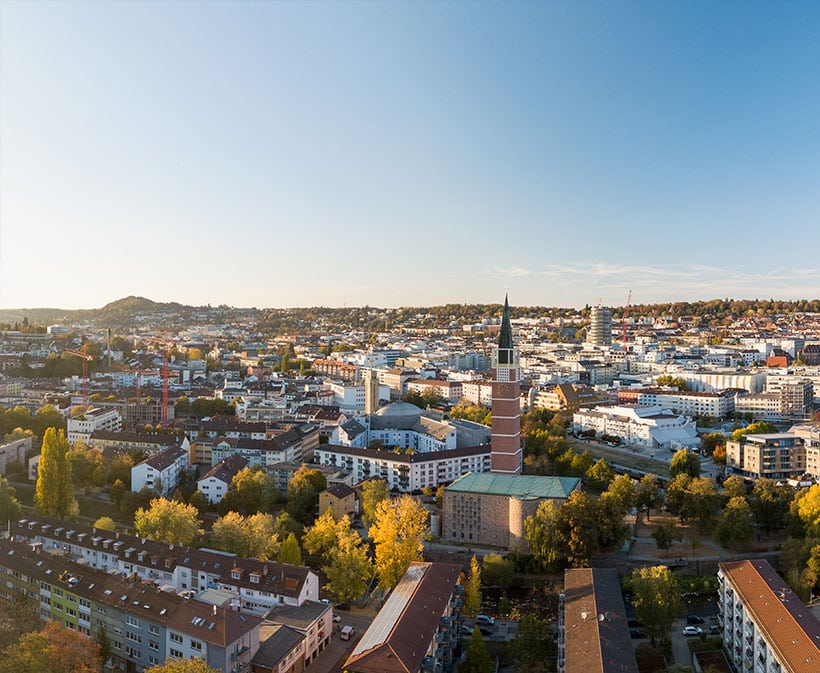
[(257, 586), (144, 624)]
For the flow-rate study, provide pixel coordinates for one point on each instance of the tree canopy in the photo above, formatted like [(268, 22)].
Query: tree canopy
[(398, 534), (55, 649), (54, 490), (169, 521)]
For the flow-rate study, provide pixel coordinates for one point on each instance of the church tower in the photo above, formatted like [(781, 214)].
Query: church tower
[(505, 455)]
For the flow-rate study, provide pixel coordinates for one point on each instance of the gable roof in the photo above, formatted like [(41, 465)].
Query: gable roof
[(398, 638), (791, 629)]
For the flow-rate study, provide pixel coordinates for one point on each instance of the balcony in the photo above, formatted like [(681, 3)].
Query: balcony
[(239, 652)]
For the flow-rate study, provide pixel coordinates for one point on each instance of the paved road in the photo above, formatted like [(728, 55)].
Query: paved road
[(333, 657)]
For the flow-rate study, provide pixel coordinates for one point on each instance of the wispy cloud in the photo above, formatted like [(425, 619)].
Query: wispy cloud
[(658, 282)]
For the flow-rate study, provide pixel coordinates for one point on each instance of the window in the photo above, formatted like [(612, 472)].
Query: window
[(153, 645), (175, 637), (176, 653), (153, 629), (196, 645), (133, 621)]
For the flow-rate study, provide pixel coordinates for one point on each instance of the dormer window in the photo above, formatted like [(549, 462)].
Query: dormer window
[(236, 574), (255, 577)]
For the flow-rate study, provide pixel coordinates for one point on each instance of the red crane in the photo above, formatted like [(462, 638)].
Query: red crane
[(165, 344), (626, 315), (138, 379), (86, 358)]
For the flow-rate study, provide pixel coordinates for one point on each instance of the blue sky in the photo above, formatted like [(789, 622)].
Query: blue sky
[(277, 154)]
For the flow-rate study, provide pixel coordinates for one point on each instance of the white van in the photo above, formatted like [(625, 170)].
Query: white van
[(347, 631)]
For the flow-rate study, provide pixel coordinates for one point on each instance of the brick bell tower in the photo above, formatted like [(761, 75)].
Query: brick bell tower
[(505, 455)]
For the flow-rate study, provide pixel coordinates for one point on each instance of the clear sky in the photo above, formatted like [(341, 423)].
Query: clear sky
[(388, 153)]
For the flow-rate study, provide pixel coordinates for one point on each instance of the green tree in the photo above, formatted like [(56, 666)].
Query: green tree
[(648, 494), (770, 504), (622, 490), (599, 475), (105, 523), (45, 417), (251, 491), (665, 533), (709, 442), (719, 455), (472, 412), (249, 537), (289, 552), (701, 502), (497, 571), (684, 462), (656, 597), (398, 535), (734, 487), (9, 506), (543, 535), (758, 428), (54, 491), (472, 589), (169, 521), (350, 569), (580, 526), (736, 525), (477, 659), (373, 492), (303, 494), (534, 649)]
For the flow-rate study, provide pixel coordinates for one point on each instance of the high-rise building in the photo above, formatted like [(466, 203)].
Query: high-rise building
[(506, 406), (600, 327)]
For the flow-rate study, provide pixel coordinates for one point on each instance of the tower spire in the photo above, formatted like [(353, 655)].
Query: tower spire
[(505, 339)]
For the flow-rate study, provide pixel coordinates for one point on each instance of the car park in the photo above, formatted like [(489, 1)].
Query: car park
[(692, 630), (694, 619)]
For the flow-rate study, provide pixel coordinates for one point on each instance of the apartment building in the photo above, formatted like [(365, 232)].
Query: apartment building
[(810, 434), (450, 391), (14, 452), (216, 482), (256, 585), (477, 392), (144, 623), (766, 628), (774, 456), (718, 405), (160, 472), (419, 627), (123, 442), (81, 427), (593, 634), (405, 472)]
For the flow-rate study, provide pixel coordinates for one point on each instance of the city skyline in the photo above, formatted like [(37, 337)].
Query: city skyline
[(298, 154)]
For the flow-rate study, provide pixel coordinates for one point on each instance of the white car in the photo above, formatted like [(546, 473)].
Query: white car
[(692, 630)]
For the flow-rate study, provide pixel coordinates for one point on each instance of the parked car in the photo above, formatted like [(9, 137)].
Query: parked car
[(694, 619), (636, 623), (485, 631), (714, 628), (346, 632), (692, 630), (484, 619), (636, 633), (344, 607)]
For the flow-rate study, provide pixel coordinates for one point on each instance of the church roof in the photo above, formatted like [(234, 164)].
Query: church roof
[(520, 486)]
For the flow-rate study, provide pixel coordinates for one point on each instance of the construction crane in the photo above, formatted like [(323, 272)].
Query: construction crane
[(138, 379), (626, 316), (86, 358), (165, 344)]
